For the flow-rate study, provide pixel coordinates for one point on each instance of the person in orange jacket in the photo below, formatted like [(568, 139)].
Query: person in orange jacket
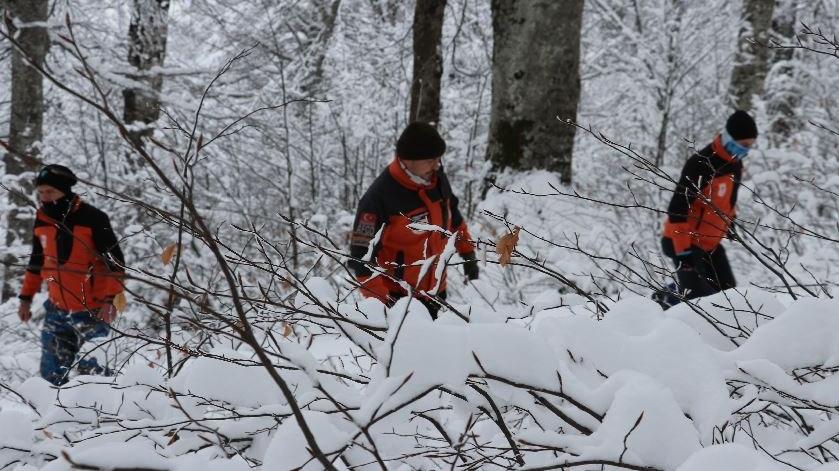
[(75, 251), (703, 208), (406, 220)]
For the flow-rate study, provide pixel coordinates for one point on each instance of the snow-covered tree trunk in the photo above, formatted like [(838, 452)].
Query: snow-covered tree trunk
[(752, 54), (428, 60), (25, 21), (146, 53), (784, 94), (327, 14), (671, 77), (535, 80)]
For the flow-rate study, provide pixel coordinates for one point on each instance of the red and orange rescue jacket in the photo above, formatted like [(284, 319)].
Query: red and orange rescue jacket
[(390, 205), (704, 201), (79, 258)]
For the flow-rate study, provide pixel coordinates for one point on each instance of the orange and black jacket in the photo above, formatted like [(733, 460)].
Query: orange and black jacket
[(703, 203), (390, 205), (79, 258)]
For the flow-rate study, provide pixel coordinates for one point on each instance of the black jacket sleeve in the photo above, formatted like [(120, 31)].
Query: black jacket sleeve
[(36, 258), (106, 243), (738, 176), (696, 174), (369, 219), (32, 277)]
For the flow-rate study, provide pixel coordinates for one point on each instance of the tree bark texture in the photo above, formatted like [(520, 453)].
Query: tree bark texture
[(146, 53), (535, 84), (428, 60), (785, 96), (25, 19), (327, 14), (751, 60)]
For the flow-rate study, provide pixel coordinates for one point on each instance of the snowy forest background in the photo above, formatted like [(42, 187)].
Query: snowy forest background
[(244, 344)]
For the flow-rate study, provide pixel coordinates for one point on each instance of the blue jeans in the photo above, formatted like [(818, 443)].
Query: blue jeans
[(61, 339)]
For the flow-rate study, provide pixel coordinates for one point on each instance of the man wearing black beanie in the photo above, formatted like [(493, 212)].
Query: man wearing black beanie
[(75, 251), (404, 223), (702, 211)]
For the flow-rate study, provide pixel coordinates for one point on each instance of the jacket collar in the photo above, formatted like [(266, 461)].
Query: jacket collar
[(398, 173), (74, 206), (719, 149)]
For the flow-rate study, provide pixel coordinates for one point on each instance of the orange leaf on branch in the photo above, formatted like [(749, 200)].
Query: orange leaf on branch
[(168, 253), (120, 302), (506, 245)]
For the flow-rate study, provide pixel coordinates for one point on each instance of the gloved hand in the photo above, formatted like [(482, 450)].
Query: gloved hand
[(24, 311), (470, 266)]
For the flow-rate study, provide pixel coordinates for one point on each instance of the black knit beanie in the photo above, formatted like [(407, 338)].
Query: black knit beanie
[(741, 126), (57, 176), (420, 141)]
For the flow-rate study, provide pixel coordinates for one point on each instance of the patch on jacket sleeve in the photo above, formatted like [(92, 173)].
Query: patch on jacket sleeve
[(366, 225)]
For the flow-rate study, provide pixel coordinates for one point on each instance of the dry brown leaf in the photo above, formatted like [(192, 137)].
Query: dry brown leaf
[(168, 253), (120, 302), (286, 329), (506, 245)]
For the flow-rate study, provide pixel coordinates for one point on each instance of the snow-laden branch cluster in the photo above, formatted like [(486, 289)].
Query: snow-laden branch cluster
[(384, 388)]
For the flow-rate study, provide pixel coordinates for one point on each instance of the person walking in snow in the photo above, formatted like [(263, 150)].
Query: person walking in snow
[(703, 208), (76, 252), (393, 244)]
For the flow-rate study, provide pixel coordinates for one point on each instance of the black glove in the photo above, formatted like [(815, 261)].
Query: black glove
[(470, 266)]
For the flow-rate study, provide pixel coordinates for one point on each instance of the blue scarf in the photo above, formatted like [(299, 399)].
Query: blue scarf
[(733, 148)]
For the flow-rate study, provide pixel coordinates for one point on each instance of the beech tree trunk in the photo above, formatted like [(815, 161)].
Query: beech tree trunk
[(751, 60), (25, 20), (327, 14), (535, 84), (785, 96), (428, 60), (146, 53)]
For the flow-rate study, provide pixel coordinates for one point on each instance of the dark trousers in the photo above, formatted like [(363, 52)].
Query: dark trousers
[(434, 305), (62, 337), (704, 273)]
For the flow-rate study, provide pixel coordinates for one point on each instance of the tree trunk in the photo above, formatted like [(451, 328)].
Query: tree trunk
[(535, 84), (785, 94), (750, 61), (666, 91), (146, 52), (327, 11), (25, 127), (428, 60)]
